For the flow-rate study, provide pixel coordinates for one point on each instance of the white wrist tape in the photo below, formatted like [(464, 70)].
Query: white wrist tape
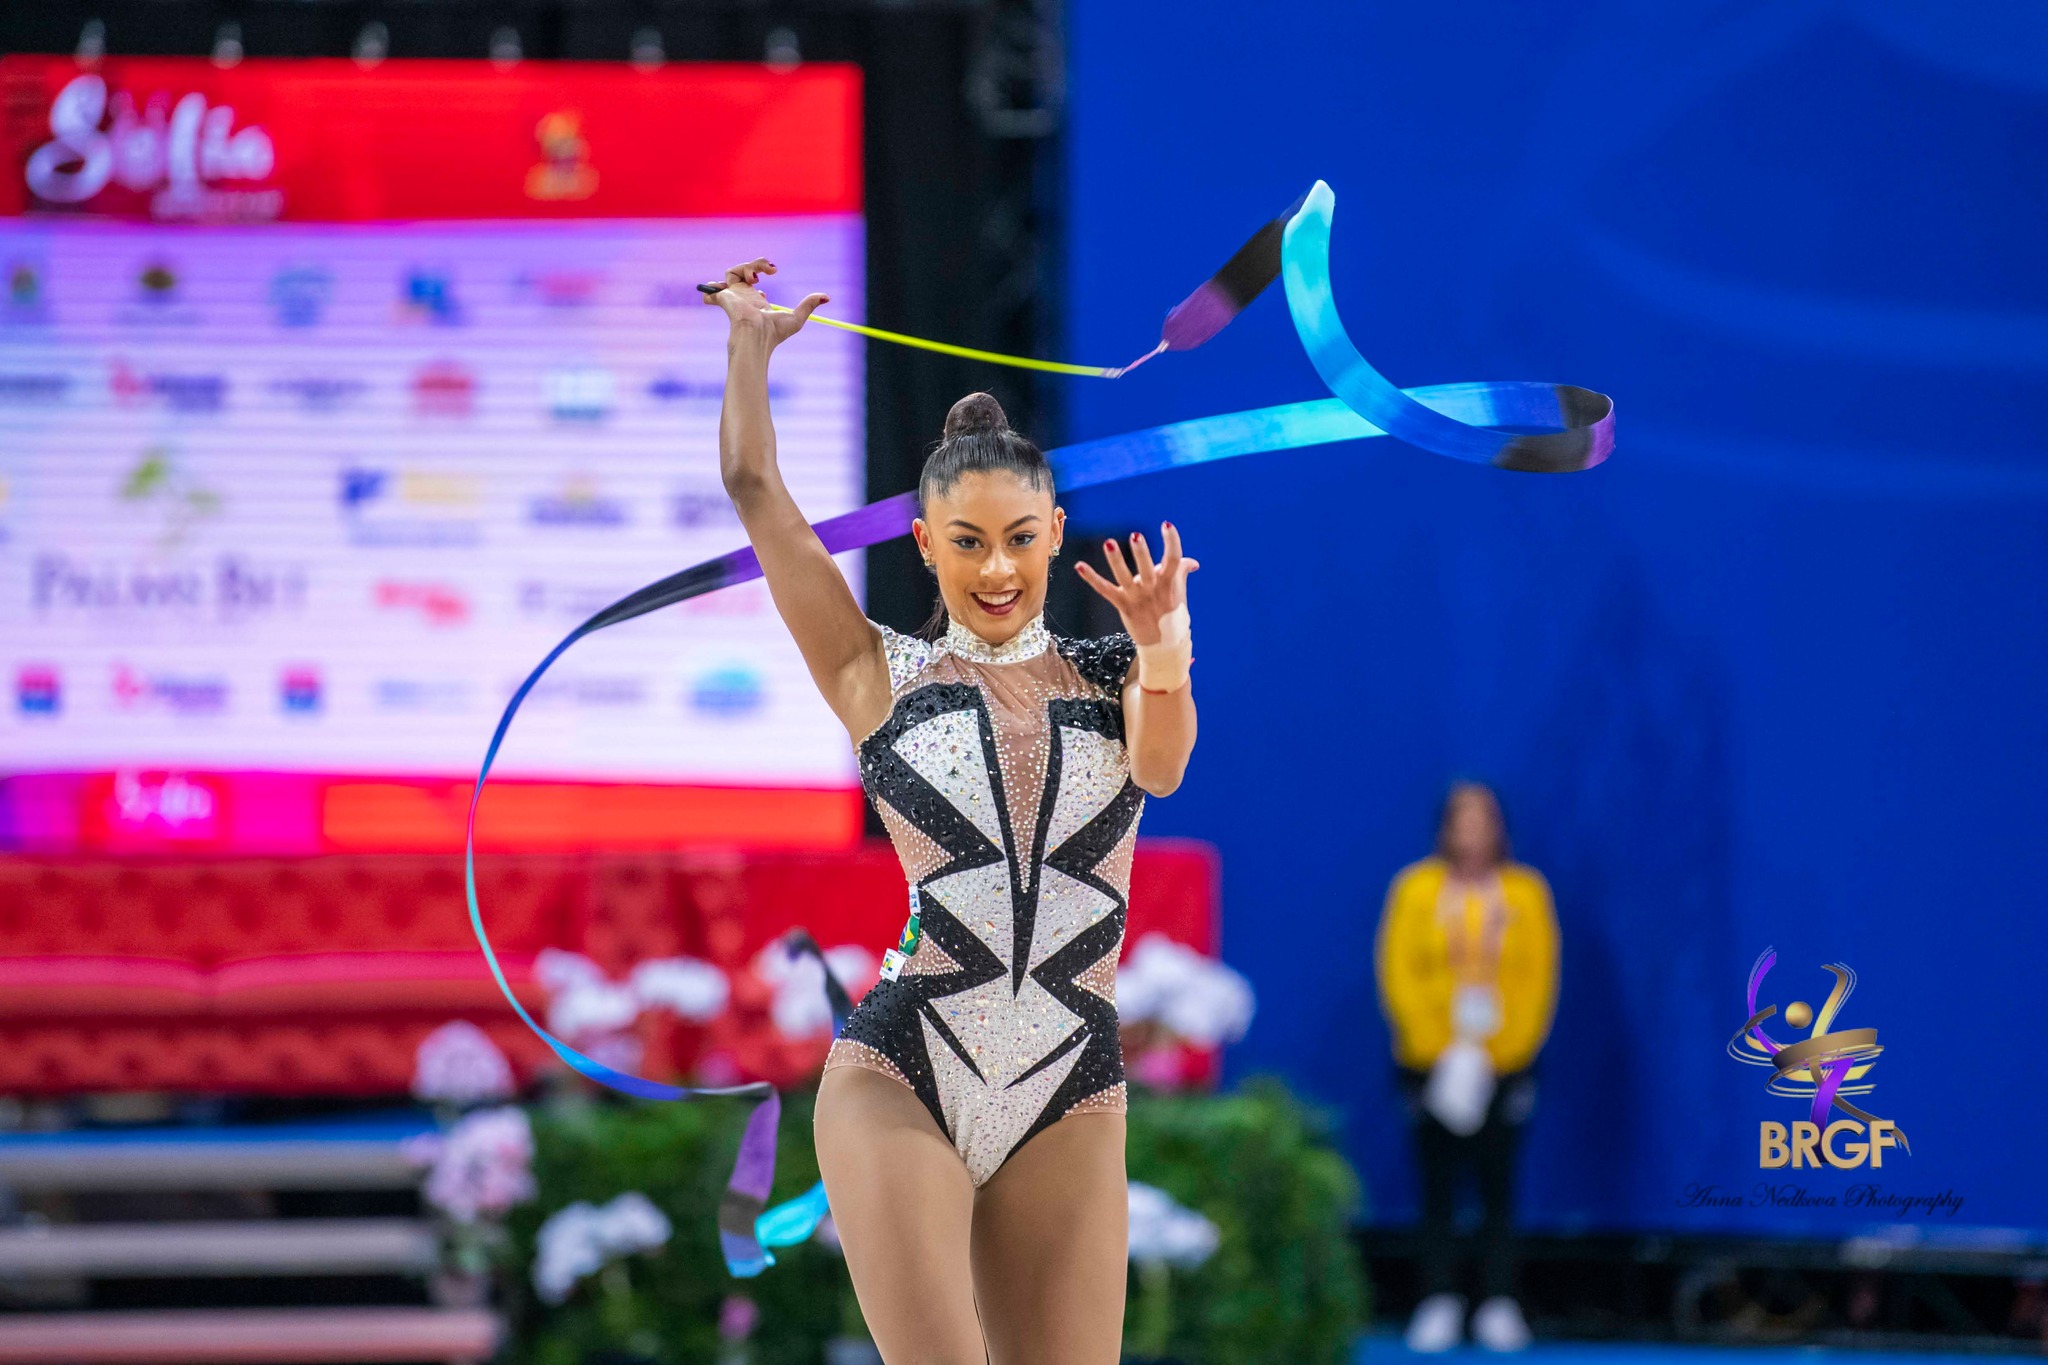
[(1163, 667)]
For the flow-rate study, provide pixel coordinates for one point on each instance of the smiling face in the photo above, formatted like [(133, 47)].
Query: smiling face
[(991, 537)]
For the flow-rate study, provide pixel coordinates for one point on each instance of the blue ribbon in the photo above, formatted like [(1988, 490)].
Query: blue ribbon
[(1515, 424)]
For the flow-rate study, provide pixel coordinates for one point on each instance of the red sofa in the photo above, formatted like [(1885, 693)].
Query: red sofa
[(321, 975)]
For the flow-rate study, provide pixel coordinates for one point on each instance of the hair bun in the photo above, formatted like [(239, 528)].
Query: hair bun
[(975, 412)]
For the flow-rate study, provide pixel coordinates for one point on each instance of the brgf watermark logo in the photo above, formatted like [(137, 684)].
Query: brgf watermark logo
[(1823, 1069)]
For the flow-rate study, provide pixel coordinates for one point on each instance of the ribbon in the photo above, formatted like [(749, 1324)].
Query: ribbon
[(1020, 362), (1519, 425), (1189, 323), (746, 1228)]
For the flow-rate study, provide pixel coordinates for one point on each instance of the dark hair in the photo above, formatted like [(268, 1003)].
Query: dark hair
[(977, 440), (1502, 851)]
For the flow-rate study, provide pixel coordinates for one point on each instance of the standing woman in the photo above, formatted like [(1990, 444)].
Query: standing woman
[(970, 1123), (1467, 962)]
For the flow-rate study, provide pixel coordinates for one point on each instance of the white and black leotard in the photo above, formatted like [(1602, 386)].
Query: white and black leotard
[(1002, 777)]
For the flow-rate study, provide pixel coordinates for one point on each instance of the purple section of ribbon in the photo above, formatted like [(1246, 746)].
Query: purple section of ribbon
[(855, 530), (1198, 317), (746, 1194), (863, 526), (753, 1171)]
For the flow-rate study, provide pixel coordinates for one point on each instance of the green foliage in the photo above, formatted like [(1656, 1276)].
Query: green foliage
[(679, 1156), (1284, 1286)]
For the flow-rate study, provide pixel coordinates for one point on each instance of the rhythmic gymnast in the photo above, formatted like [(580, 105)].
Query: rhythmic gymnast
[(999, 731), (970, 1123)]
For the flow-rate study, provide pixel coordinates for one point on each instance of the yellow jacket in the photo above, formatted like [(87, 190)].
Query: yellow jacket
[(1425, 948)]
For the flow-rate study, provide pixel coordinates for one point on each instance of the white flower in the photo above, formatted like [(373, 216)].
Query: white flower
[(694, 989), (481, 1167), (801, 1008), (587, 1006), (582, 1239), (557, 969), (458, 1064), (592, 1008), (1194, 997), (565, 1251), (1163, 1232)]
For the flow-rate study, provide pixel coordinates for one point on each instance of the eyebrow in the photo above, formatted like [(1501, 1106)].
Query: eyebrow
[(1028, 516)]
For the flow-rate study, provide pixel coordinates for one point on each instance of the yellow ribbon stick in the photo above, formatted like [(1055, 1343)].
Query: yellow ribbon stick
[(969, 353)]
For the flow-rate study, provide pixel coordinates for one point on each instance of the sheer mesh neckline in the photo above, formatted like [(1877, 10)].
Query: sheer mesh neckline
[(1027, 643)]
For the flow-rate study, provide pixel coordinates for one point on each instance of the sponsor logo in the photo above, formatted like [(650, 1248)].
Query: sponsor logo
[(25, 301), (317, 393), (578, 601), (158, 298), (580, 395), (299, 294), (187, 157), (168, 802), (444, 388), (694, 508), (298, 689), (415, 487), (178, 392), (156, 284), (234, 588), (728, 692), (564, 171), (599, 692), (410, 507), (671, 388), (31, 389), (578, 504), (562, 289), (437, 603), (420, 694), (38, 690), (180, 694), (428, 295), (1820, 1070), (160, 484)]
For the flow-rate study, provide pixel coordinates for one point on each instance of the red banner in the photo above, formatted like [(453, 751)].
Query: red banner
[(175, 139)]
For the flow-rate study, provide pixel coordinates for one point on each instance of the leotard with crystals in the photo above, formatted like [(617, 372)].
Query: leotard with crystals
[(1002, 778)]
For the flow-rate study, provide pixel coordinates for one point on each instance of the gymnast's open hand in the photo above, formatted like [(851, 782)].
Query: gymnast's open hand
[(746, 306), (1145, 597)]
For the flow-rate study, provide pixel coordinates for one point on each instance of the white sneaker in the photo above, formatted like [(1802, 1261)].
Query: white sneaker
[(1498, 1325), (1438, 1324)]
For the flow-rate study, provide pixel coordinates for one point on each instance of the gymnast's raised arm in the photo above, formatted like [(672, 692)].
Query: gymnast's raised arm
[(840, 645)]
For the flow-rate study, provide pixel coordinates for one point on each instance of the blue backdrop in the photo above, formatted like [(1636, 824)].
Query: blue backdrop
[(1773, 676)]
